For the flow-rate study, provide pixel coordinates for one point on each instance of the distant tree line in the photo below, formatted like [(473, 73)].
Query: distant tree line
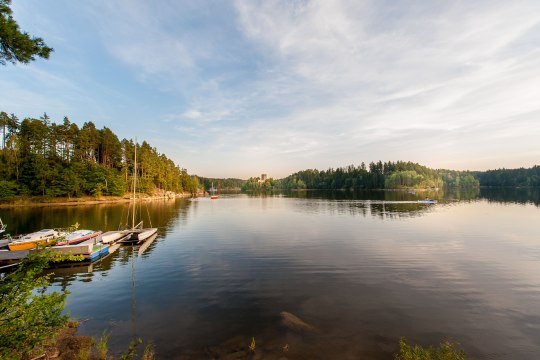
[(40, 157), (221, 184), (386, 175), (510, 177), (377, 175)]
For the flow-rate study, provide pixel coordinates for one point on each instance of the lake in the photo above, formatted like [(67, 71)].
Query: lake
[(363, 269)]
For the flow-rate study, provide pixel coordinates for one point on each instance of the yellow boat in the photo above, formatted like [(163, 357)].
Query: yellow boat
[(30, 241)]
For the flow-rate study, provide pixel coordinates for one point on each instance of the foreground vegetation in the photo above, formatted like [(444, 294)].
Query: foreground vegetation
[(42, 158), (28, 314)]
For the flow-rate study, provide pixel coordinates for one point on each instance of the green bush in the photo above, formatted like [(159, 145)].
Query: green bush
[(28, 315)]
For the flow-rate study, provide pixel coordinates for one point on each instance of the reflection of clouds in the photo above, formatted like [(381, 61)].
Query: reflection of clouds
[(468, 270)]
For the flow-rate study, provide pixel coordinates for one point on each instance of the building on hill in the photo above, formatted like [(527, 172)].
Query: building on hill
[(263, 178)]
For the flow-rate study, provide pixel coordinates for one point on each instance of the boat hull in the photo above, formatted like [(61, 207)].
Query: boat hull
[(112, 236), (80, 239), (139, 235), (27, 245), (147, 233)]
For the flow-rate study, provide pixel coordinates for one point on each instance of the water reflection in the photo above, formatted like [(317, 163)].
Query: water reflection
[(164, 214), (512, 195), (363, 269)]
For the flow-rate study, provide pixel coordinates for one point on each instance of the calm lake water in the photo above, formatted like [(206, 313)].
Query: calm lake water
[(363, 269)]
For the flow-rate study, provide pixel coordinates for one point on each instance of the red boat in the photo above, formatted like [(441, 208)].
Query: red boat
[(79, 236), (214, 197)]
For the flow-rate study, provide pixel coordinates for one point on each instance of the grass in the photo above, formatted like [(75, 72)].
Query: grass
[(102, 346), (446, 351)]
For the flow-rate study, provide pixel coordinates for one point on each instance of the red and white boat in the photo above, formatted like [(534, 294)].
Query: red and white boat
[(79, 236)]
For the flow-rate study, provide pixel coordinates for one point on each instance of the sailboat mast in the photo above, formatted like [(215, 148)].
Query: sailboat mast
[(134, 186)]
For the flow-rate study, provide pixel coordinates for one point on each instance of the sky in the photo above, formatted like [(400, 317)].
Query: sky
[(240, 88)]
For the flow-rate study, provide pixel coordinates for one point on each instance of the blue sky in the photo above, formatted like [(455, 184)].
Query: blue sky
[(238, 88)]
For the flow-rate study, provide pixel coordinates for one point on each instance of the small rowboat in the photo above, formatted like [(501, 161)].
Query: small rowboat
[(79, 236), (214, 197), (427, 201), (30, 241), (113, 236)]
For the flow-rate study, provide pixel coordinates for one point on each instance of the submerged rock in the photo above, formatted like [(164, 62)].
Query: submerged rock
[(294, 323)]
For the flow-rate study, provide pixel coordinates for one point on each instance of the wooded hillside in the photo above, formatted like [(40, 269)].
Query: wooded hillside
[(41, 157), (377, 175)]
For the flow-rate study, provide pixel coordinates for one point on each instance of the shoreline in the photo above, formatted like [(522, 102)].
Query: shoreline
[(86, 200)]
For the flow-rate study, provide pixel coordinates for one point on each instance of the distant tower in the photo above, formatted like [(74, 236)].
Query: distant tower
[(264, 177)]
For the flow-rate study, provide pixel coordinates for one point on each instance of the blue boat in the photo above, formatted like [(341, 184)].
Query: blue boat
[(98, 252)]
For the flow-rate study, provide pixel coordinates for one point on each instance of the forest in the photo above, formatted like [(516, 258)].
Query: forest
[(377, 175), (510, 177), (39, 157), (221, 184)]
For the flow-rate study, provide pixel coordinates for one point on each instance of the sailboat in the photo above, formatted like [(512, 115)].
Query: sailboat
[(213, 196), (138, 234)]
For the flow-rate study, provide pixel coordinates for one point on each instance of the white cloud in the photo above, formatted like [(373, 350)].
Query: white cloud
[(377, 74), (286, 85)]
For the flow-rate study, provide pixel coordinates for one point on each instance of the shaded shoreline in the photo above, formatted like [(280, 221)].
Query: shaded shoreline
[(45, 201)]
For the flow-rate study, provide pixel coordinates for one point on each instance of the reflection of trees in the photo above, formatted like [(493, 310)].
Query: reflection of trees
[(165, 216), (379, 208), (105, 217), (529, 195), (462, 194)]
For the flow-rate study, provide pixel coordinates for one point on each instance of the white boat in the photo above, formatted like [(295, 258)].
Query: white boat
[(30, 241), (146, 244), (138, 234), (427, 201), (146, 233), (113, 236), (78, 236)]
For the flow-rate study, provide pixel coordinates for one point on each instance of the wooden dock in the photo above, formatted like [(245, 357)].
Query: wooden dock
[(11, 258), (90, 253), (88, 249)]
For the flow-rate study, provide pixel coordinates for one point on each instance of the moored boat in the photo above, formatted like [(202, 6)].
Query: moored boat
[(427, 201), (113, 236), (138, 234), (92, 249), (33, 240), (79, 236), (213, 194)]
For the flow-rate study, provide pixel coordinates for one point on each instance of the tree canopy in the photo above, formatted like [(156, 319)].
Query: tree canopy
[(40, 157), (16, 45), (377, 175)]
